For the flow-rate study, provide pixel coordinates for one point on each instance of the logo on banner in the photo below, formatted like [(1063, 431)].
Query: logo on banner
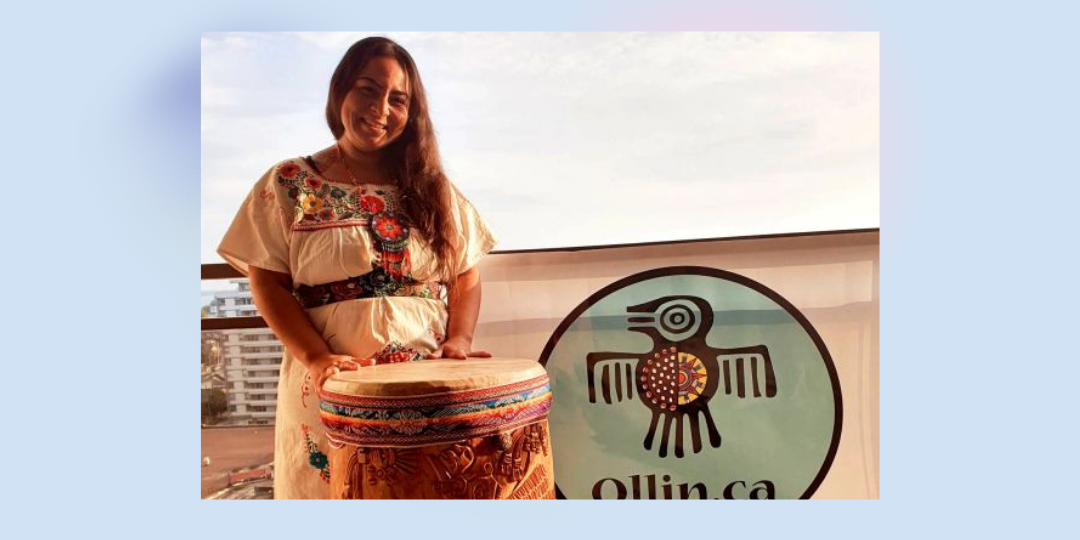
[(678, 376), (691, 382)]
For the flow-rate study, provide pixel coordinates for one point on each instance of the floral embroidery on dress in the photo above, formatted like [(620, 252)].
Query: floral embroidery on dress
[(387, 228), (391, 242), (309, 204), (305, 390), (289, 169), (371, 204), (373, 284), (320, 204), (316, 458), (395, 352)]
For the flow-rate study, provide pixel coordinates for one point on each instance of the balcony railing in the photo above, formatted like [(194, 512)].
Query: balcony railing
[(224, 271)]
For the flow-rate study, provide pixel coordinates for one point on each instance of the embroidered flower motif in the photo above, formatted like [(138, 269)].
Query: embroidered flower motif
[(289, 170), (400, 356), (316, 458), (378, 282), (346, 291), (372, 204), (313, 196), (311, 204), (395, 352), (386, 227)]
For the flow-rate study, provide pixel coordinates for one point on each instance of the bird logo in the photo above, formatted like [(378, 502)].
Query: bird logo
[(681, 373), (685, 382)]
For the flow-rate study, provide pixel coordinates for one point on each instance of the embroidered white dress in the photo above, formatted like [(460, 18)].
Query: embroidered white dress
[(296, 222)]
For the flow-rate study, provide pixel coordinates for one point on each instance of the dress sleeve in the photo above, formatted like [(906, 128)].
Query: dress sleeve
[(259, 234), (474, 238)]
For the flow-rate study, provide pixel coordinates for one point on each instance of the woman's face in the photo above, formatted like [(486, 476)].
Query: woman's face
[(376, 109)]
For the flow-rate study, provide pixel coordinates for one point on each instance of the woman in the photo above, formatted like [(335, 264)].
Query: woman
[(363, 253)]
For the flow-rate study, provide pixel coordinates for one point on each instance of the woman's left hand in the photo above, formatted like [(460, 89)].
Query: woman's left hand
[(457, 348)]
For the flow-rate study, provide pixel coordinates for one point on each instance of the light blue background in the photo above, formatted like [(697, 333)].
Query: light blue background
[(101, 138)]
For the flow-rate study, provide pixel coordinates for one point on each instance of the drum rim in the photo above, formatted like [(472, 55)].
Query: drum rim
[(407, 421)]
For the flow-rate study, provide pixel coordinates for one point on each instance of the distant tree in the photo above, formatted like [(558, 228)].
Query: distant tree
[(213, 404)]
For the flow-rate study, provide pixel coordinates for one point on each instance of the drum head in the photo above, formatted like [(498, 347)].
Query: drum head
[(432, 377)]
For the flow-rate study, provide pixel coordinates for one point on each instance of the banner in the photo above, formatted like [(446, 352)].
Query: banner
[(727, 369)]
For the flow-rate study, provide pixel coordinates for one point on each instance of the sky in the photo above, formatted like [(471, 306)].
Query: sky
[(580, 139)]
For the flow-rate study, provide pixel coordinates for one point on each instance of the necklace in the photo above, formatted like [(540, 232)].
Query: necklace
[(341, 155)]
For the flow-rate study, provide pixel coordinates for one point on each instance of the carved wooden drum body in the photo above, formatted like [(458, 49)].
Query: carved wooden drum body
[(440, 429)]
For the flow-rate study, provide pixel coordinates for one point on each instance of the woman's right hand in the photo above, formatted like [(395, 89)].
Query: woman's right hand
[(324, 366)]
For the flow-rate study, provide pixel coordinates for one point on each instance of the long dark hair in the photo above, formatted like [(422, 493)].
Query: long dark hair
[(412, 159)]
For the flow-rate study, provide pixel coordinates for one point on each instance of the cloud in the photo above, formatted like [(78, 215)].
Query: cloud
[(566, 129)]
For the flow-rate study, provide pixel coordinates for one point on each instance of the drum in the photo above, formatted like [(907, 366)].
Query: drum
[(440, 429)]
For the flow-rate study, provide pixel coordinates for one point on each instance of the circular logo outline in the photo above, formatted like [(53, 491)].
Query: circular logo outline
[(830, 367)]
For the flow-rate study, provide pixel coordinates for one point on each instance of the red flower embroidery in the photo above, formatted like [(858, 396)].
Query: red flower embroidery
[(289, 170), (326, 214), (345, 291), (387, 228), (400, 356), (313, 183), (395, 352), (372, 204)]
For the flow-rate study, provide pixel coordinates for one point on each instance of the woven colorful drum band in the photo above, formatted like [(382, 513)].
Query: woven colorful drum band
[(413, 421)]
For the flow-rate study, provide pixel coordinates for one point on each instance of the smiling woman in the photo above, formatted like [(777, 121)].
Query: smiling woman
[(362, 253), (376, 109)]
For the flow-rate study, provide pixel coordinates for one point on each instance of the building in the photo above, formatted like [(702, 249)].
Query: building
[(251, 358), (238, 303)]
